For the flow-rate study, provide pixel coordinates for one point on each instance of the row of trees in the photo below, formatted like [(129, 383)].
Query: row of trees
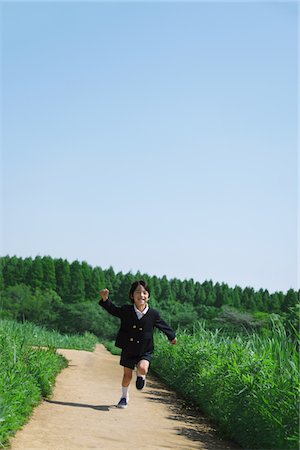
[(65, 295)]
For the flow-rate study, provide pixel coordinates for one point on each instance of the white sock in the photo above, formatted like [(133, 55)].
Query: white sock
[(138, 374), (125, 393)]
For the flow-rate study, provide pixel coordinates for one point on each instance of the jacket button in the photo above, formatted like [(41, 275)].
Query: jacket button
[(131, 339), (137, 342), (140, 329), (134, 326)]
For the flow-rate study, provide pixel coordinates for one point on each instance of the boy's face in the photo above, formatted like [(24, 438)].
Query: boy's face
[(140, 297)]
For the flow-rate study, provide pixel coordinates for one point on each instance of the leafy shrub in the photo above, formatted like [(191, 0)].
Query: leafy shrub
[(27, 373), (248, 385)]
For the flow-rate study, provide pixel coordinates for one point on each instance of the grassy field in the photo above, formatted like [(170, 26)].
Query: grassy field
[(249, 385), (27, 371)]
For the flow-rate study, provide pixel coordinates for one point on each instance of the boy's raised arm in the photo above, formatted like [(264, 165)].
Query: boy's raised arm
[(106, 303), (104, 294)]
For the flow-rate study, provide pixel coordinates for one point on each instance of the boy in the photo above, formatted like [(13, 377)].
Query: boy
[(135, 336)]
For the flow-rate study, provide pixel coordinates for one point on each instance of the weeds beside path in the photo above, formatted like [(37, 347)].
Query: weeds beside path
[(82, 415)]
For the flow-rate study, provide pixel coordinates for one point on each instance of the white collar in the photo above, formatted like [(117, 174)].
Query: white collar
[(139, 313)]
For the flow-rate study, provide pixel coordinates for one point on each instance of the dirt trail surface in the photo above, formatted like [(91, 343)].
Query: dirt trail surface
[(82, 414)]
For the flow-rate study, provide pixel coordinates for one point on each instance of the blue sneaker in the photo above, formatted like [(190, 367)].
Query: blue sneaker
[(122, 403), (140, 383)]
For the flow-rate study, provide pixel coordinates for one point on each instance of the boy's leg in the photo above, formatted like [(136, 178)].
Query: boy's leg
[(143, 367), (127, 376), (142, 370)]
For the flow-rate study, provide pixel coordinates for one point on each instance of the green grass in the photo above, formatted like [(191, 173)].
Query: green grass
[(110, 346), (249, 385), (39, 336), (28, 371)]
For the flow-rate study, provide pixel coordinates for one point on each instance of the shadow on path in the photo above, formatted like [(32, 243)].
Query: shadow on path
[(198, 427), (82, 405)]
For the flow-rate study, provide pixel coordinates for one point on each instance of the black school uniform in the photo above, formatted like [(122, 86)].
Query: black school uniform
[(135, 336)]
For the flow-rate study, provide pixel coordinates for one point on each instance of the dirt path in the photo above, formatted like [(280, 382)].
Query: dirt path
[(82, 414)]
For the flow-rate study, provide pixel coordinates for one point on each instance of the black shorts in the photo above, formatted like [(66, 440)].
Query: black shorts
[(131, 361)]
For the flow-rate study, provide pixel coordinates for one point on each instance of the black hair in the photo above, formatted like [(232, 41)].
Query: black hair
[(135, 284)]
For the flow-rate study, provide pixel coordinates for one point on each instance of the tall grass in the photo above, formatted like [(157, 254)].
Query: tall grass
[(39, 336), (110, 346), (249, 385), (28, 371)]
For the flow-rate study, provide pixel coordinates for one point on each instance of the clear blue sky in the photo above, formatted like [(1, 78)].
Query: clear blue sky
[(159, 137)]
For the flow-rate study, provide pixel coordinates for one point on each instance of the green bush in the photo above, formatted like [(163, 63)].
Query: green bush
[(110, 345), (26, 375), (248, 384), (28, 371)]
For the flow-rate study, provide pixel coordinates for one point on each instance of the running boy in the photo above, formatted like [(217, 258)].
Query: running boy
[(135, 336)]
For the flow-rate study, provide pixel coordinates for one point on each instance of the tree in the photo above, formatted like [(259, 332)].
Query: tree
[(236, 297), (175, 287), (10, 271), (248, 301), (156, 287), (27, 268), (63, 278), (267, 305), (258, 301), (200, 295), (166, 293), (290, 300), (43, 308), (76, 289), (229, 315), (182, 315), (1, 276), (219, 296), (14, 300), (87, 273), (292, 324), (49, 278), (88, 316), (97, 283), (210, 293), (121, 292), (109, 277), (275, 302), (36, 276), (188, 291)]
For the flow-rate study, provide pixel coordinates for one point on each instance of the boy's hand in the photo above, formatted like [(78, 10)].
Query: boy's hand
[(104, 294), (174, 341)]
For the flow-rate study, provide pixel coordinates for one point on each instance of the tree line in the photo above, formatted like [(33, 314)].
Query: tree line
[(64, 295)]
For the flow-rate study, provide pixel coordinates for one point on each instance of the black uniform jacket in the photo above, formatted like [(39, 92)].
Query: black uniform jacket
[(136, 335)]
